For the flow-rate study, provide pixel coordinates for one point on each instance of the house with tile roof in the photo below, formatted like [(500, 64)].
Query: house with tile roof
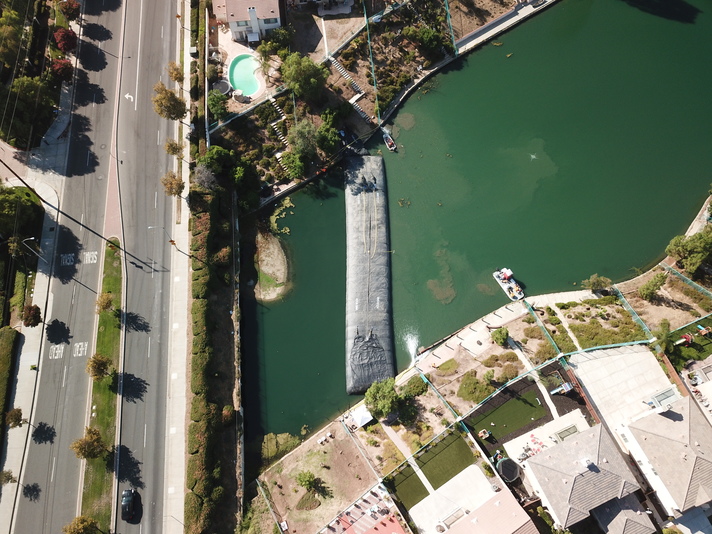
[(248, 20), (586, 475), (673, 447)]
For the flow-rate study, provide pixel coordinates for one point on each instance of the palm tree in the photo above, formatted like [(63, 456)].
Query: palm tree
[(664, 336)]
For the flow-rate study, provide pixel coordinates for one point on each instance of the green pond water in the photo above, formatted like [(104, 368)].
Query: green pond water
[(585, 151)]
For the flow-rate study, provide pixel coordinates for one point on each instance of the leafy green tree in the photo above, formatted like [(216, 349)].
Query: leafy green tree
[(10, 36), (294, 164), (69, 8), (15, 207), (62, 69), (307, 480), (31, 315), (174, 148), (282, 37), (649, 290), (596, 283), (238, 174), (66, 39), (167, 103), (104, 302), (217, 104), (691, 251), (98, 367), (14, 418), (172, 184), (302, 138), (303, 76), (218, 159), (6, 477), (665, 337), (175, 72), (500, 336), (82, 525), (381, 398), (327, 138), (90, 446)]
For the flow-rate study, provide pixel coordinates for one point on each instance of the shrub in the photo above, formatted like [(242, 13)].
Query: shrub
[(8, 338), (62, 70), (199, 408), (70, 9), (487, 468), (649, 290), (66, 39), (473, 390), (500, 336), (414, 387), (509, 372)]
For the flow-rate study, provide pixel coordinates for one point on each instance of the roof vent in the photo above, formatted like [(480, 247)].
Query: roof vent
[(604, 461), (586, 462)]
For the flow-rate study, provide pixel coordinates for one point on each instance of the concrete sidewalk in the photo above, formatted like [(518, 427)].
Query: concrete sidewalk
[(29, 347), (41, 169)]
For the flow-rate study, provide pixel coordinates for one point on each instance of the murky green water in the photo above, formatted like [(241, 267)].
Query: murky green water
[(585, 151)]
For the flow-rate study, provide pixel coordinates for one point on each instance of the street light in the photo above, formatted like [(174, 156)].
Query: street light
[(24, 242), (171, 241)]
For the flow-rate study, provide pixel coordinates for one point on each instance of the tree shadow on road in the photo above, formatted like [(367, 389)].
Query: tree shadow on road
[(96, 32), (81, 165), (129, 467), (68, 249), (87, 93), (135, 387), (97, 8), (134, 322), (92, 57), (43, 433), (31, 492), (58, 332)]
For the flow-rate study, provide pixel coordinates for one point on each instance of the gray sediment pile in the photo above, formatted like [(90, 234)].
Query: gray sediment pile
[(369, 332)]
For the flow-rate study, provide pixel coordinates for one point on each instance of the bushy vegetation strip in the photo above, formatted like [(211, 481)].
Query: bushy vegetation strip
[(8, 343), (98, 474), (210, 473)]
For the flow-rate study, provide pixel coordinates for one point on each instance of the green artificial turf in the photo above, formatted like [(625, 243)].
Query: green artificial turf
[(511, 416), (408, 487), (445, 459)]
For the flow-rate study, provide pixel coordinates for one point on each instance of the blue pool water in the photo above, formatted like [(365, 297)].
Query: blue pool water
[(242, 74)]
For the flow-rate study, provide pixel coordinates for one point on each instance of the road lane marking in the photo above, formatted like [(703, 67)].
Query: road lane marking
[(91, 257), (161, 32), (158, 137), (54, 460), (138, 61), (66, 259), (80, 349), (64, 377), (144, 436), (149, 347), (55, 352)]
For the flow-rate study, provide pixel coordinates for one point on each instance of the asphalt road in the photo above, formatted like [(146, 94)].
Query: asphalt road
[(52, 475), (150, 38)]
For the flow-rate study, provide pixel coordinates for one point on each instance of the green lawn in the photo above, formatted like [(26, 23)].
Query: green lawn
[(445, 459), (96, 499), (699, 349), (514, 414), (408, 487)]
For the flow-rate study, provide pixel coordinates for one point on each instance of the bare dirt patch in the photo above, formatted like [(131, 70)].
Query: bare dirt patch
[(342, 469), (677, 302), (272, 266)]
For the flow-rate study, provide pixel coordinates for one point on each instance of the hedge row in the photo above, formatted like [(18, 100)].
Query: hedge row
[(8, 340), (203, 470)]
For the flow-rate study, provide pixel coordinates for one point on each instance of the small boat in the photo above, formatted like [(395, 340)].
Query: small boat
[(390, 143), (505, 279)]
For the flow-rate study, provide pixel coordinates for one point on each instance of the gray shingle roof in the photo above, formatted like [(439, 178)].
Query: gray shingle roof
[(623, 516), (582, 473), (678, 445)]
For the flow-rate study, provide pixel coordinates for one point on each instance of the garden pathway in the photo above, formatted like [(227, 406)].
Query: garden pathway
[(403, 447)]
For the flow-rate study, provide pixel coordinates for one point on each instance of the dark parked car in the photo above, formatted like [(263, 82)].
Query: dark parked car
[(127, 504)]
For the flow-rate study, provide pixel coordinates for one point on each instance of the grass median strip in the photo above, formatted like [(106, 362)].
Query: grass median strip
[(98, 476)]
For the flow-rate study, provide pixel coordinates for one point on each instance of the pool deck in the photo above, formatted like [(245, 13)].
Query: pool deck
[(221, 39)]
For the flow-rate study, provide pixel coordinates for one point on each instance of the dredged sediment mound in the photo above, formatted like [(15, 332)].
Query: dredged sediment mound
[(369, 332)]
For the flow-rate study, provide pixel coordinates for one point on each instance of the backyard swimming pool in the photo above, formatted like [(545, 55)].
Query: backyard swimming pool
[(242, 74)]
